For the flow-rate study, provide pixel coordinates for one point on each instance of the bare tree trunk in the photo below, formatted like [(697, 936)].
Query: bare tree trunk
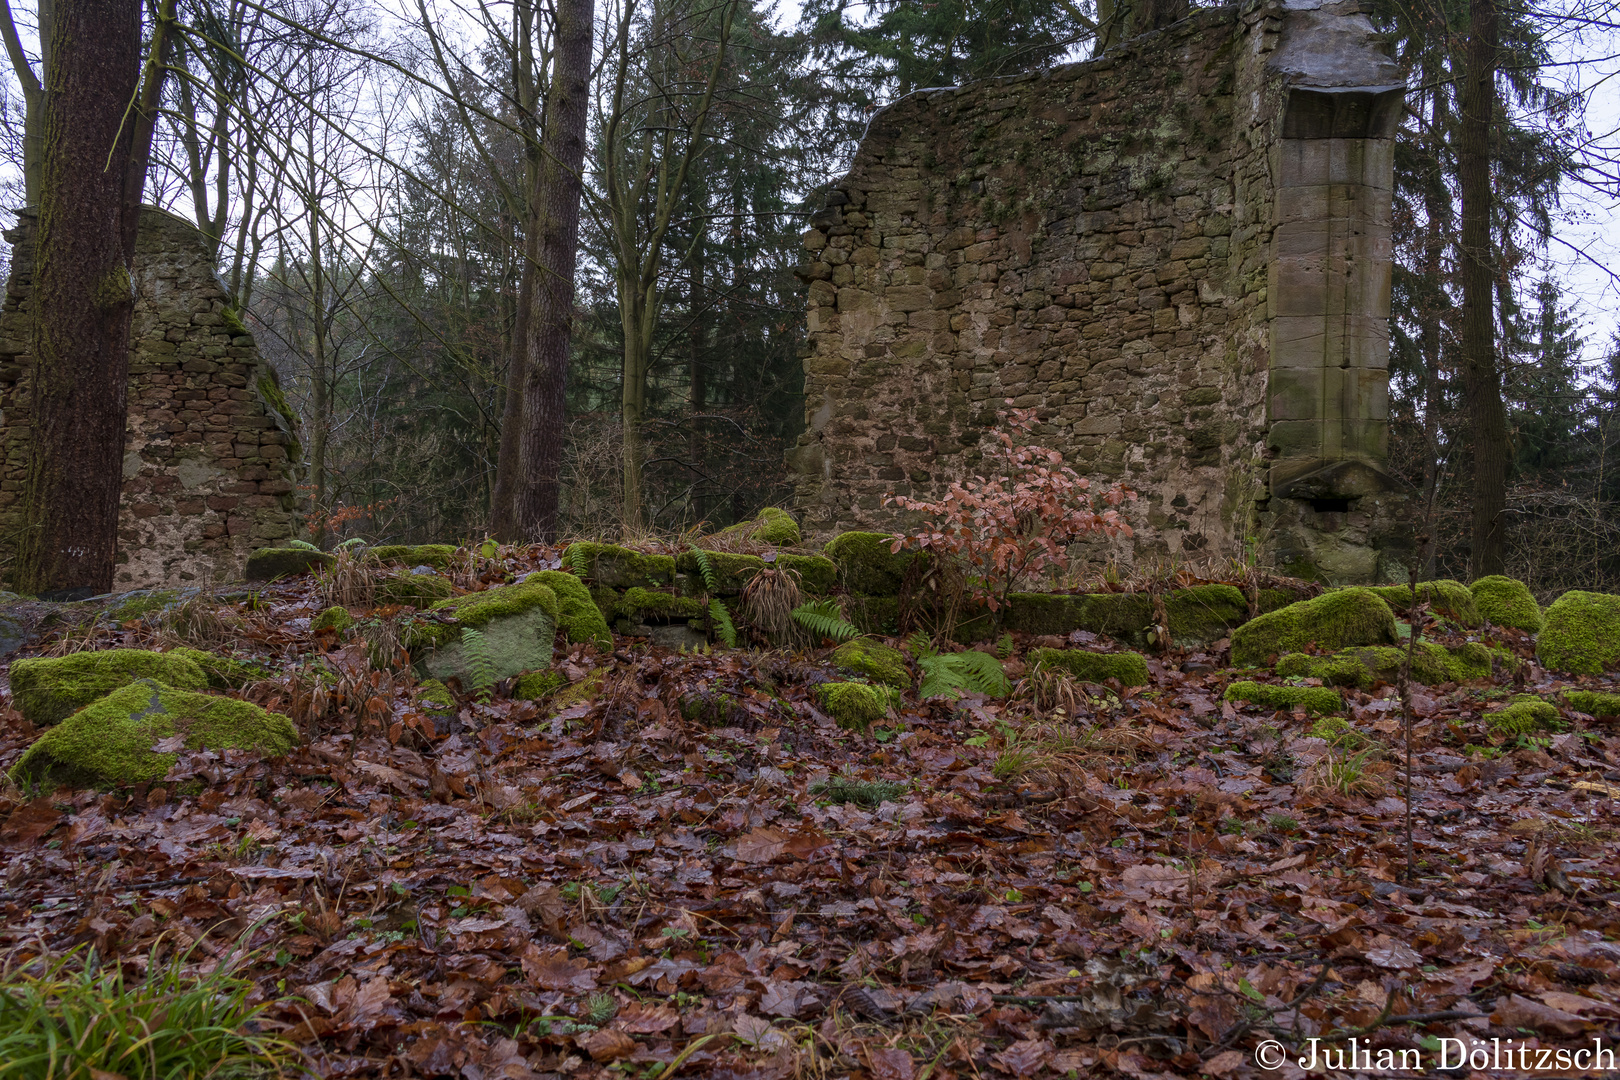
[(551, 322), (91, 175), (503, 519), (1482, 384), (699, 344)]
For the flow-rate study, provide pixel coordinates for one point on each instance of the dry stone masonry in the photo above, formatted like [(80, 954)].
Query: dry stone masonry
[(1178, 253), (211, 451)]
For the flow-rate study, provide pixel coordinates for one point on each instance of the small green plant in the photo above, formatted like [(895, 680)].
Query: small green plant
[(601, 1009), (480, 661), (825, 619), (1339, 733), (1282, 823), (577, 560), (952, 674), (866, 794), (723, 626)]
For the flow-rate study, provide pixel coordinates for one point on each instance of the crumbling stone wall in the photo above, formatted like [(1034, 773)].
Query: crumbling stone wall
[(1177, 253), (211, 452)]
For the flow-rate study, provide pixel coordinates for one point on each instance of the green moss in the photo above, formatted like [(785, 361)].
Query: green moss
[(1128, 667), (435, 697), (1332, 621), (853, 705), (537, 685), (865, 563), (771, 525), (334, 618), (579, 617), (577, 693), (478, 610), (112, 741), (231, 319), (1593, 702), (731, 572), (645, 602), (1526, 714), (46, 691), (266, 564), (875, 660), (438, 556), (269, 387), (1507, 602), (1205, 613), (1452, 599), (1432, 664), (1582, 633), (1317, 699), (1277, 599), (414, 590), (817, 574), (145, 602), (1125, 616), (224, 672), (619, 567)]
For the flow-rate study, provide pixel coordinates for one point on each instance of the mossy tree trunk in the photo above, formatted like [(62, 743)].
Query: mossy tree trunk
[(92, 173)]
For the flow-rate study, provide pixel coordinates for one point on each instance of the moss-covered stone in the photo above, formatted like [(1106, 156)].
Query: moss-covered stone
[(1333, 621), (1582, 633), (437, 701), (267, 563), (579, 617), (878, 662), (1362, 667), (653, 603), (865, 563), (771, 525), (817, 573), (853, 705), (1125, 616), (438, 556), (335, 618), (1277, 599), (1524, 715), (516, 624), (731, 572), (537, 685), (1205, 613), (111, 741), (1452, 599), (224, 672), (413, 590), (134, 605), (1507, 602), (1593, 702), (1129, 668), (1316, 699), (47, 691), (874, 614), (619, 567), (577, 693)]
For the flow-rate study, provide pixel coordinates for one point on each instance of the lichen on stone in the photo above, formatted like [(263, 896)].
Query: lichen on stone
[(1316, 699), (47, 691), (1333, 621), (866, 565), (1505, 601), (1445, 597), (853, 705), (1524, 715), (875, 660), (1130, 668), (335, 618), (112, 741), (578, 616), (1581, 634)]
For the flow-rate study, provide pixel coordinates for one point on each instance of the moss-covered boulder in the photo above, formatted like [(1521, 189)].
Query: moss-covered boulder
[(1362, 667), (1124, 616), (732, 572), (267, 563), (47, 691), (875, 660), (410, 589), (619, 567), (537, 685), (1524, 715), (140, 603), (771, 525), (114, 740), (1593, 702), (1314, 699), (817, 573), (1452, 599), (515, 627), (865, 563), (1129, 668), (1333, 621), (438, 556), (1205, 613), (1507, 602), (579, 617), (874, 614), (224, 672), (335, 618), (658, 605), (1582, 634), (853, 705)]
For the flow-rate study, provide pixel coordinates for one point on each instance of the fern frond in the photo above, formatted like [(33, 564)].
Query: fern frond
[(723, 625), (1004, 647), (824, 619), (920, 644), (711, 580), (577, 561), (480, 662), (302, 545), (950, 674)]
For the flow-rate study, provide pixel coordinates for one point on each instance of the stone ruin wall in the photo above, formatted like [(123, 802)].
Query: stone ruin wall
[(211, 451), (1177, 254)]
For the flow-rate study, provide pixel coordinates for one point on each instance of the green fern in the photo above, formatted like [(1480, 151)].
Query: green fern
[(723, 625), (1004, 647), (711, 580), (351, 543), (952, 674), (577, 561), (302, 545), (480, 662), (824, 619), (920, 644)]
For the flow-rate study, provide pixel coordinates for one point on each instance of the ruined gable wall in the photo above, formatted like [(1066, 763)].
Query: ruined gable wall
[(211, 449), (1095, 242)]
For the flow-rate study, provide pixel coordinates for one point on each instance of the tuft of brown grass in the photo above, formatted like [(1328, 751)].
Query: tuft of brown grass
[(1345, 773), (351, 580), (769, 599), (201, 621)]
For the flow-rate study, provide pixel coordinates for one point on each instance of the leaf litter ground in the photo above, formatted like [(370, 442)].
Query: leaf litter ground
[(691, 870)]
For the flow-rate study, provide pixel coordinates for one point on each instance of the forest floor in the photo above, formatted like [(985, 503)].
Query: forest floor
[(1147, 881)]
